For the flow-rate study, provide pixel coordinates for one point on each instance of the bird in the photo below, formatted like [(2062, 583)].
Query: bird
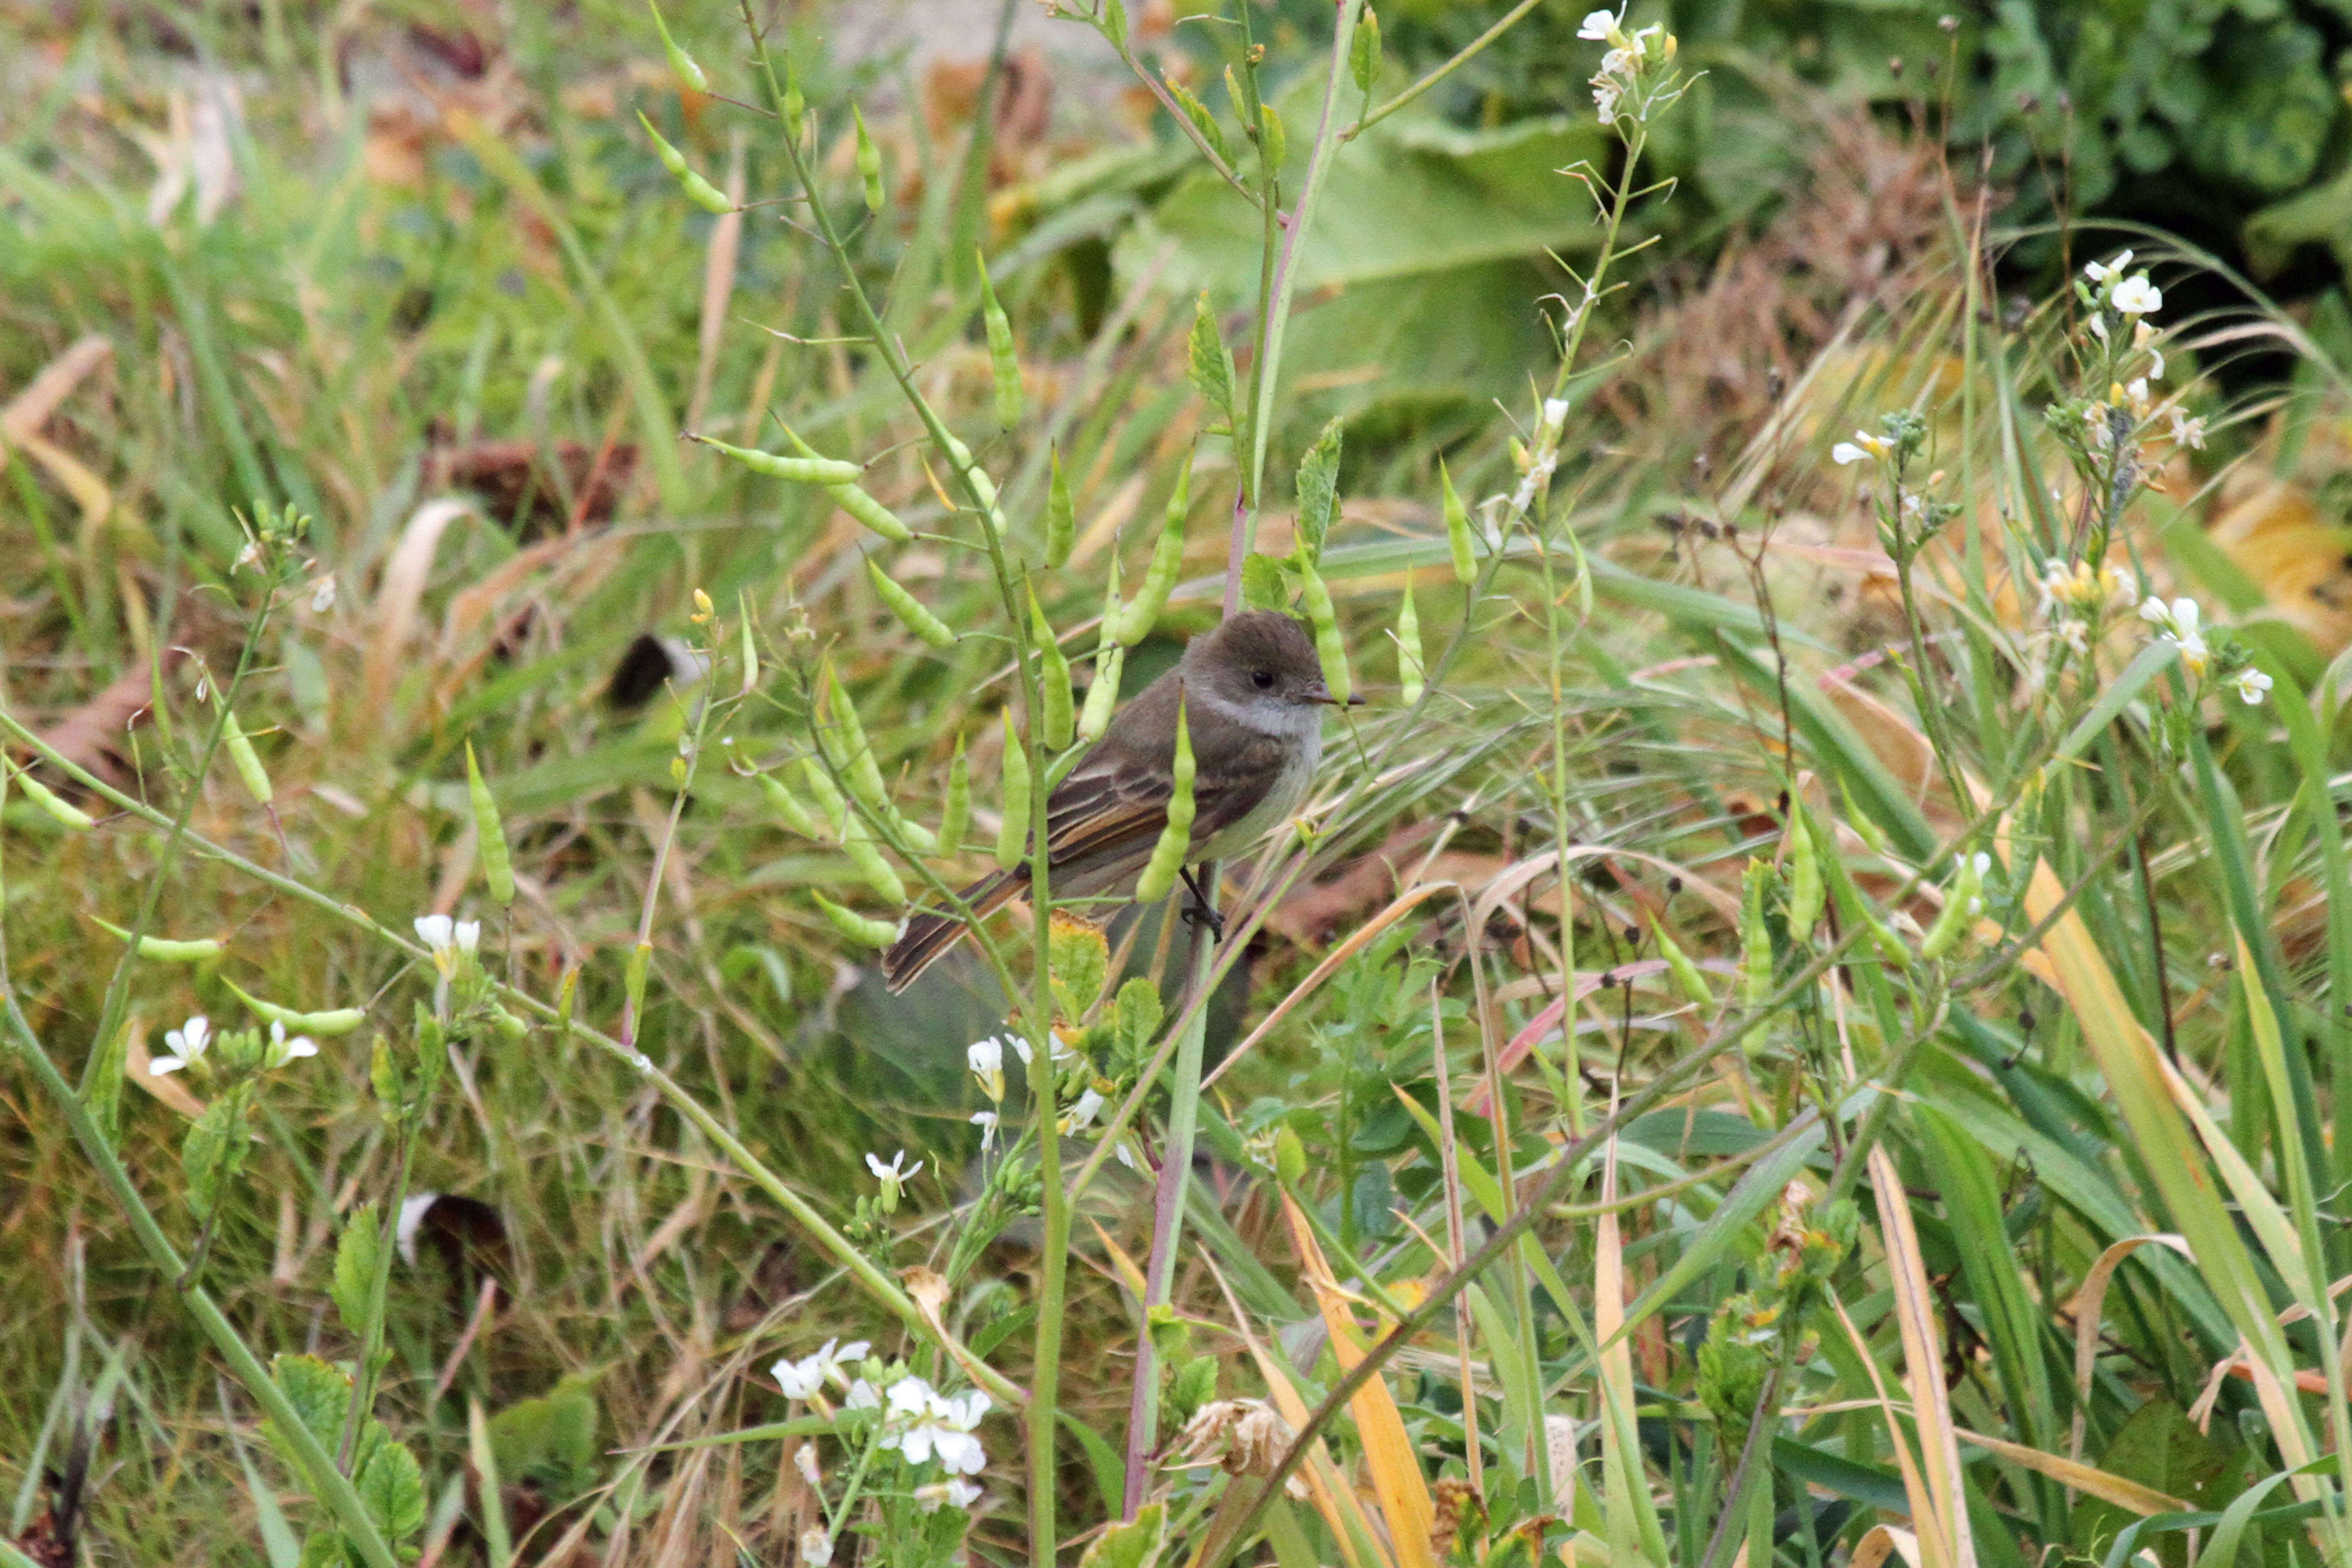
[(1253, 693)]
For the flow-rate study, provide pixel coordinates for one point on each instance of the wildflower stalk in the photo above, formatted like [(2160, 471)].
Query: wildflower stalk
[(1055, 1216)]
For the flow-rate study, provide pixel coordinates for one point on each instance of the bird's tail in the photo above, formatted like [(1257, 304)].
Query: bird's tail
[(928, 935)]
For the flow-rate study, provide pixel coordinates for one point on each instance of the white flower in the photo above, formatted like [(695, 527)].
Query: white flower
[(1082, 1113), (2177, 623), (2097, 321), (283, 1050), (2135, 296), (893, 1176), (2120, 586), (2252, 686), (2138, 393), (986, 1121), (861, 1396), (1620, 62), (986, 1059), (929, 1423), (804, 1377), (2186, 431), (1605, 93), (1126, 1154), (1555, 414), (1021, 1048), (1598, 24), (322, 594), (955, 1491), (804, 1461), (2103, 273), (2143, 340), (1863, 444), (816, 1547), (189, 1043), (470, 936), (435, 932)]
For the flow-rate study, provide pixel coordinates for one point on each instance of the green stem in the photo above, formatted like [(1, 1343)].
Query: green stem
[(1470, 51), (329, 1485)]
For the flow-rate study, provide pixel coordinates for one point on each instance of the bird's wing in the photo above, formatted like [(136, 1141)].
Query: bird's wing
[(1116, 802)]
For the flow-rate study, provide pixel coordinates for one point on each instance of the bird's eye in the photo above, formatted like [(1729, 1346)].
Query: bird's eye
[(1264, 679)]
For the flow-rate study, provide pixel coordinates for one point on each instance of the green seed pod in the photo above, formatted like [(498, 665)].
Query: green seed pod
[(788, 806), (857, 928), (498, 867), (1289, 1156), (1755, 936), (332, 1022), (834, 810), (1882, 937), (1457, 528), (1002, 362), (1805, 895), (1061, 517), (1409, 662), (870, 512), (1958, 908), (1053, 680), (796, 106), (1271, 135), (168, 950), (245, 759), (806, 469), (633, 977), (1687, 976), (1102, 697), (869, 162), (681, 64), (1012, 833), (47, 799), (864, 854), (1364, 51), (699, 191), (1142, 613), (909, 609), (955, 821), (1168, 856), (851, 751), (1329, 646)]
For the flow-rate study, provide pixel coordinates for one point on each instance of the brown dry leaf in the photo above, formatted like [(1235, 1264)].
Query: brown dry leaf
[(2275, 533), (90, 735), (1023, 112), (532, 496)]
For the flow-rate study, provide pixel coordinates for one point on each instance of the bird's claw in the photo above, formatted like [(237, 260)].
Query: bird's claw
[(1197, 913)]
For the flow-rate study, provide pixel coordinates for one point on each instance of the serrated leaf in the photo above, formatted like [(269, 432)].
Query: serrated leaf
[(1319, 491), (212, 1151), (320, 1394), (1211, 367), (1138, 1012), (357, 1254), (391, 1486), (1263, 587)]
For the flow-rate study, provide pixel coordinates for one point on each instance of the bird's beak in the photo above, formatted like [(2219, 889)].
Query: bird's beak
[(1323, 694)]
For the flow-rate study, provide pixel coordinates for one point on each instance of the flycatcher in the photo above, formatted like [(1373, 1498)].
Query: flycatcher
[(1253, 696)]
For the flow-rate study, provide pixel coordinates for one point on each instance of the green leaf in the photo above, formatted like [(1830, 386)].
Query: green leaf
[(1364, 50), (392, 1487), (214, 1151), (1198, 113), (320, 1394), (1211, 366), (357, 1256), (1319, 491), (1263, 587), (1137, 1543)]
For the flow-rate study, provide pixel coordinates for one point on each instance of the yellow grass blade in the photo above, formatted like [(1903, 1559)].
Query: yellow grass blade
[(1397, 1481), (1923, 1362)]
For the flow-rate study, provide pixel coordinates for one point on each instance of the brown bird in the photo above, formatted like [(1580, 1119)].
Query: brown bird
[(1253, 696)]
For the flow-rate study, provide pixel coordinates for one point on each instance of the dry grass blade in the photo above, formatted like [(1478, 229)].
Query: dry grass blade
[(2122, 1491), (1389, 1453), (1915, 1315), (2090, 1298), (1931, 1552)]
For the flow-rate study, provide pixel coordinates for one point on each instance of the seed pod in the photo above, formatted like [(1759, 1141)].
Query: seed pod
[(856, 927), (1329, 646), (1061, 517), (1755, 936), (633, 978), (1271, 136), (699, 191), (1967, 884), (1687, 976), (834, 810), (1805, 895), (1002, 362), (869, 162), (681, 64), (1012, 833), (1053, 680), (1168, 856), (867, 856), (1102, 697), (1457, 528), (1142, 613), (168, 950), (333, 1020), (245, 760), (870, 512), (956, 819), (788, 806), (489, 833), (1364, 51), (1409, 664), (1882, 937), (909, 609), (47, 799), (806, 469), (852, 752)]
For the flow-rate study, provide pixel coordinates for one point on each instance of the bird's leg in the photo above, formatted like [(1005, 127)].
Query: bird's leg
[(1201, 909)]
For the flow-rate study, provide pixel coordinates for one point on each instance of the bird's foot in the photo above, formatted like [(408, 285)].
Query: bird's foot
[(1200, 911)]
